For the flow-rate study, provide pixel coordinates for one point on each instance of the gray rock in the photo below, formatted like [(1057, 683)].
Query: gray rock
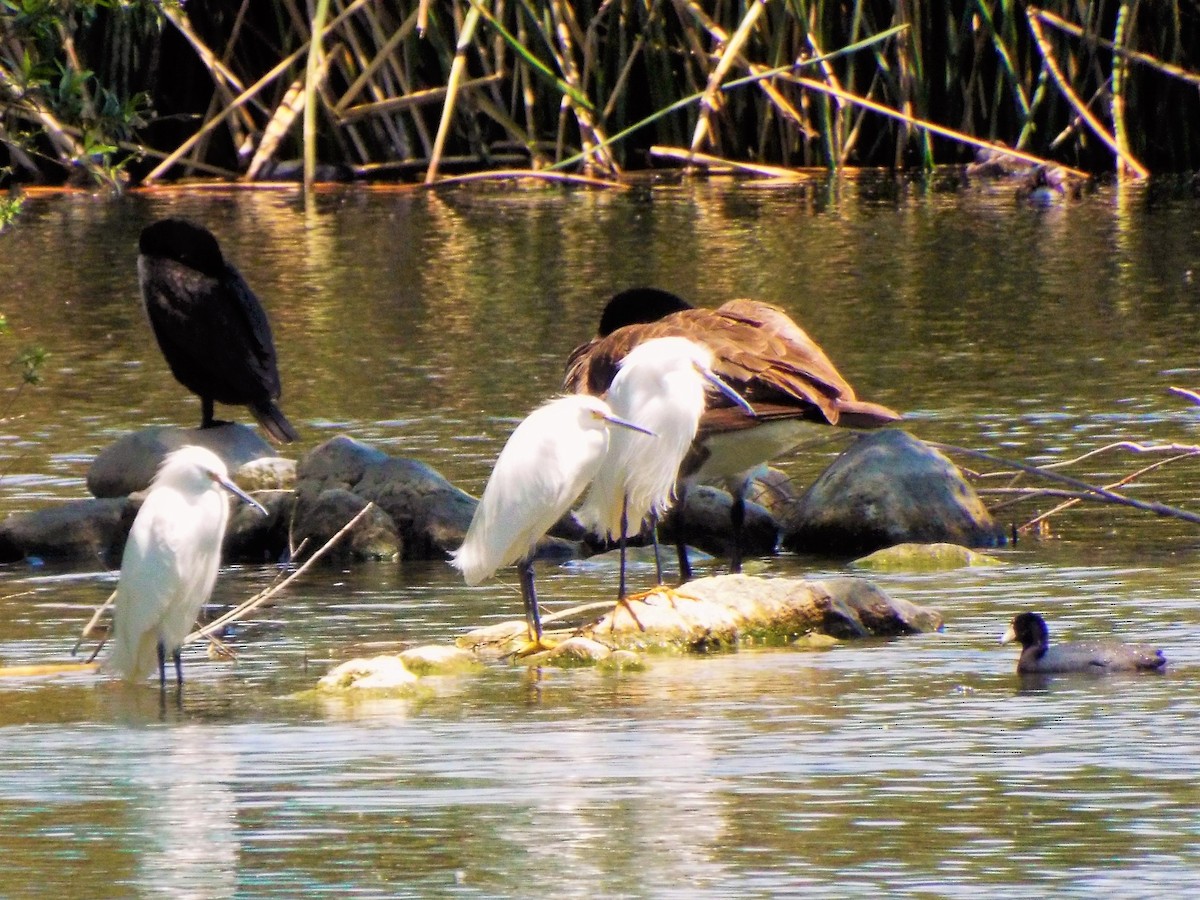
[(253, 537), (707, 523), (321, 515), (889, 488), (130, 464), (429, 514), (79, 530)]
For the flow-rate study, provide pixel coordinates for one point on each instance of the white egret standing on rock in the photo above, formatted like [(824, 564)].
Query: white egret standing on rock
[(660, 383), (763, 355), (170, 563), (550, 457)]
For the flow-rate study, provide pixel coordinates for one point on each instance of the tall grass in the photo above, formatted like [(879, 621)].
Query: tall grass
[(422, 88)]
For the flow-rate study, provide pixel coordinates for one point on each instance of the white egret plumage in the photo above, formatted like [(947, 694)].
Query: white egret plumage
[(660, 383), (548, 460), (170, 562)]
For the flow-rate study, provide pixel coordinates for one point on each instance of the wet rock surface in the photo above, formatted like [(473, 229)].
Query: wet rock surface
[(888, 488)]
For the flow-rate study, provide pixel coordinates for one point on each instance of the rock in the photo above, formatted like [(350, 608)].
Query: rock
[(428, 513), (574, 651), (271, 473), (706, 520), (889, 488), (775, 492), (253, 537), (77, 530), (433, 659), (130, 464), (318, 517), (379, 673), (729, 610), (923, 558)]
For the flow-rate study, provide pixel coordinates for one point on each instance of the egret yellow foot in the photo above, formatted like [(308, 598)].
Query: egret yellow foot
[(671, 595), (535, 645)]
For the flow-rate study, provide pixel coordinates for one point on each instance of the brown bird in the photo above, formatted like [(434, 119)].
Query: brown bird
[(208, 323), (763, 355)]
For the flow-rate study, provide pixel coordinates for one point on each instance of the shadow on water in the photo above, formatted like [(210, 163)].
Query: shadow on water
[(427, 325)]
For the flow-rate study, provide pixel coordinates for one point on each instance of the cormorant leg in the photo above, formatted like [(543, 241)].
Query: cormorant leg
[(685, 566), (178, 656), (206, 412), (162, 666), (529, 596), (737, 517)]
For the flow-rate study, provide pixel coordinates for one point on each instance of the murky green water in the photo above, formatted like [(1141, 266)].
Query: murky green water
[(426, 325)]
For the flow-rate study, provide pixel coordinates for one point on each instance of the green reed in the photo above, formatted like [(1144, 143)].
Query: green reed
[(129, 89)]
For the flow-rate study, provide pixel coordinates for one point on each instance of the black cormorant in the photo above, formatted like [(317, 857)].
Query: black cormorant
[(211, 328)]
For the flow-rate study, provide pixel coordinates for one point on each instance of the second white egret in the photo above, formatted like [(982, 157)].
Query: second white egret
[(551, 456), (661, 383)]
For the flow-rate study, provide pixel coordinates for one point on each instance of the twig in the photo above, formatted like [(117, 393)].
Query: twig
[(1121, 481), (1074, 99), (1132, 55), (695, 156), (1184, 392), (1181, 449), (262, 597), (501, 174), (1159, 509), (87, 629), (928, 126)]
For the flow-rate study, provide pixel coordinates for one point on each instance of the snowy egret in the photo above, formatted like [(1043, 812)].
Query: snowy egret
[(170, 562), (548, 460), (210, 326), (1037, 656), (763, 355), (660, 384)]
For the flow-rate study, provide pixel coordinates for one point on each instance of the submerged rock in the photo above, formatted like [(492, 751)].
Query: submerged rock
[(889, 488), (75, 531), (129, 464), (924, 558), (398, 672), (378, 673)]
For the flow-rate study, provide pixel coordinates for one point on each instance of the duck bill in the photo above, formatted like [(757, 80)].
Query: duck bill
[(736, 398), (625, 423), (240, 494), (1009, 636)]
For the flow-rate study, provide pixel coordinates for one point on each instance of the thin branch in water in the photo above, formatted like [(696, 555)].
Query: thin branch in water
[(241, 611), (1159, 509)]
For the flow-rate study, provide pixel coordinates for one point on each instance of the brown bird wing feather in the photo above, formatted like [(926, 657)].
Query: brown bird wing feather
[(762, 353)]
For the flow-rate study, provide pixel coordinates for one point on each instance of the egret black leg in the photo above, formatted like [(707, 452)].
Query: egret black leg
[(162, 666), (178, 656), (624, 529), (654, 537), (685, 565), (206, 412), (529, 596), (737, 517)]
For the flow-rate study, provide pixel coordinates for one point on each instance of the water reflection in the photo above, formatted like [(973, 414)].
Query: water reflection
[(426, 324)]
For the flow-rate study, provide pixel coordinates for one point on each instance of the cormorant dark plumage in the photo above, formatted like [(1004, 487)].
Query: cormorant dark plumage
[(210, 326), (759, 352), (1097, 657)]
